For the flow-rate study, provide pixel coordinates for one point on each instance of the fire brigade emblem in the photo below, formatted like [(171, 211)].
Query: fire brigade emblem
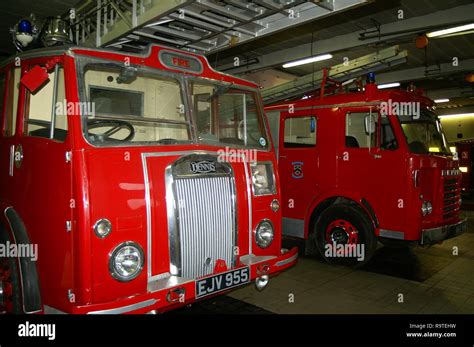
[(297, 170), (203, 166)]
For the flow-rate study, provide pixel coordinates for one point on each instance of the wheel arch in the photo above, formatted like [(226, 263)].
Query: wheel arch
[(323, 202), (12, 224)]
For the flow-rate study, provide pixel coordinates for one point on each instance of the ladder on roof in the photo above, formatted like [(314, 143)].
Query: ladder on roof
[(343, 72), (200, 26)]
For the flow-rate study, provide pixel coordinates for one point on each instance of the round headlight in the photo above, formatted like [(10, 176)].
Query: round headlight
[(102, 227), (429, 207), (424, 209), (126, 261), (264, 234)]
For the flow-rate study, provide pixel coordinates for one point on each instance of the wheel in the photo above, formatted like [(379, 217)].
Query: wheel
[(10, 290), (344, 235)]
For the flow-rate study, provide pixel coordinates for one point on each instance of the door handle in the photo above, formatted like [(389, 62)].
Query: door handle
[(12, 161)]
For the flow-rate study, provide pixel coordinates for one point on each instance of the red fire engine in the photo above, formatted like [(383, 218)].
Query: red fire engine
[(364, 166), (131, 176)]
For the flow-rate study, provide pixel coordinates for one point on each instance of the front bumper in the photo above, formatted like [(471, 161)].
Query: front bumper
[(173, 292), (434, 235)]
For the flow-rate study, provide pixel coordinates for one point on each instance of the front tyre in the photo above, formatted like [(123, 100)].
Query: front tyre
[(344, 235)]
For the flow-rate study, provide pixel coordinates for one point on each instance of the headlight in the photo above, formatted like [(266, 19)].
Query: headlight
[(126, 261), (102, 228), (426, 208), (463, 169), (263, 179), (264, 234)]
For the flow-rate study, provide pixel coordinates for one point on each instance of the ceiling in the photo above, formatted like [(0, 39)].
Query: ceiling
[(357, 20)]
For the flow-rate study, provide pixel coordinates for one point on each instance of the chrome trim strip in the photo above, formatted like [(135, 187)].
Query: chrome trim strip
[(12, 161), (127, 308), (286, 261), (255, 259), (392, 234)]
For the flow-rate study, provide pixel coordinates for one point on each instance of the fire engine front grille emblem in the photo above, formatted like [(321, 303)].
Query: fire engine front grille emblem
[(203, 166)]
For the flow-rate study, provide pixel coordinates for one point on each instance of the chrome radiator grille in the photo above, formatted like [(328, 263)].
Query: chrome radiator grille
[(201, 203), (206, 224)]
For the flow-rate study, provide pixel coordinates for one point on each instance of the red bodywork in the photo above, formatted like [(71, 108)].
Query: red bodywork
[(49, 191), (380, 181), (464, 151)]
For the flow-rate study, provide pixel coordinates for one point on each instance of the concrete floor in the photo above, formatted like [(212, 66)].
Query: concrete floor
[(430, 280)]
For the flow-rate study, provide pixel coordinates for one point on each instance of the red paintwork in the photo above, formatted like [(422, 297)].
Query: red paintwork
[(464, 150), (102, 185), (381, 181)]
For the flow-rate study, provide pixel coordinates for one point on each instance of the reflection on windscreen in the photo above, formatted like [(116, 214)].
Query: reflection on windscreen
[(142, 108), (227, 115), (424, 135)]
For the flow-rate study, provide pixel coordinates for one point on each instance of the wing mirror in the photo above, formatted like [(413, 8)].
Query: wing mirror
[(369, 125)]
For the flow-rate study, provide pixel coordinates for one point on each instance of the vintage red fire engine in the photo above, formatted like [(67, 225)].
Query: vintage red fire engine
[(131, 175), (364, 166)]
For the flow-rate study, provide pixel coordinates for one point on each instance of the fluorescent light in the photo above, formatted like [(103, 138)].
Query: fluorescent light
[(434, 149), (451, 30), (440, 101), (308, 60), (389, 85), (457, 115)]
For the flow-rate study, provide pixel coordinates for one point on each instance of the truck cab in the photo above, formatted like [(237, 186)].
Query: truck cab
[(145, 182), (362, 167)]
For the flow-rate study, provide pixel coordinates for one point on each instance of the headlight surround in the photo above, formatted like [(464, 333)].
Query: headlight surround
[(426, 208), (264, 233), (263, 179), (126, 261)]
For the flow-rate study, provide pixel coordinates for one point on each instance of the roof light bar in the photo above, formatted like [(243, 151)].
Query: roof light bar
[(453, 30)]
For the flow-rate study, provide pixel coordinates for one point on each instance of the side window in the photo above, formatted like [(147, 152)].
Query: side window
[(357, 135), (387, 137), (300, 132), (11, 107), (46, 107)]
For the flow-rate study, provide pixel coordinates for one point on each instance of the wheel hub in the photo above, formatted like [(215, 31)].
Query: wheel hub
[(341, 232)]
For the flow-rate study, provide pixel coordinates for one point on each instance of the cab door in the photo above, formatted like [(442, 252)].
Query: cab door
[(372, 166), (40, 180), (297, 164)]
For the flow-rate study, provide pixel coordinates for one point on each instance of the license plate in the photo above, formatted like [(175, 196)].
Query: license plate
[(222, 281)]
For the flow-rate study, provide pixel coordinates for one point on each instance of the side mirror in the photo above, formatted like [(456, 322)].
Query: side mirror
[(34, 79), (369, 125)]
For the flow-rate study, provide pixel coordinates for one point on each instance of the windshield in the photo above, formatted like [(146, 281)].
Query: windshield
[(424, 134), (132, 105)]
